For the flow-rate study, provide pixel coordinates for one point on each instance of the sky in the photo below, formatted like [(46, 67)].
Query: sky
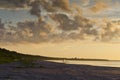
[(61, 28)]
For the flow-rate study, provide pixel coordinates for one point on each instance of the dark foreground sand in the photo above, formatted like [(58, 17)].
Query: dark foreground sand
[(43, 70)]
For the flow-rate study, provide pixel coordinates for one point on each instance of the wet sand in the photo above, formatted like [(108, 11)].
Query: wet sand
[(43, 70)]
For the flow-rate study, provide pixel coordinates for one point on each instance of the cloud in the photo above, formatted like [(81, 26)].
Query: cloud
[(63, 4), (42, 31), (2, 30), (111, 31), (34, 31), (75, 28), (36, 6), (1, 24), (77, 10), (86, 2), (65, 23), (35, 9), (14, 3), (61, 23), (98, 7), (49, 6), (108, 31), (27, 31)]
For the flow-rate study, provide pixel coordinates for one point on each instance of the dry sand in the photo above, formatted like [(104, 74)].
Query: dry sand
[(43, 70)]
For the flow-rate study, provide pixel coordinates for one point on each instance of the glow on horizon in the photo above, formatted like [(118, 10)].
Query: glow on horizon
[(71, 49)]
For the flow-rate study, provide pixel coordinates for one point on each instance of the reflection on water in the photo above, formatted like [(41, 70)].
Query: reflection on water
[(93, 63)]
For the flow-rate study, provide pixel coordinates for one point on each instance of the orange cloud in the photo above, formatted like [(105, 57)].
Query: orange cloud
[(98, 7)]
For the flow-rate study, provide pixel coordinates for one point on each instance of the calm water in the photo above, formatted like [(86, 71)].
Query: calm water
[(93, 63)]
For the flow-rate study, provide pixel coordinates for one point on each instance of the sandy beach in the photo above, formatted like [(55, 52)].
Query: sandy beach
[(43, 70)]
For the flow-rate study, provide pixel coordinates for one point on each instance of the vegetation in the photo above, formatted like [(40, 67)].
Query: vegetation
[(7, 56)]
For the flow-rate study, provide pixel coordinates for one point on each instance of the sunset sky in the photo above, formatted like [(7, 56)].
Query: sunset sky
[(61, 28)]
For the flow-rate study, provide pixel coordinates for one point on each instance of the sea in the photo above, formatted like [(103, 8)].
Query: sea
[(92, 63)]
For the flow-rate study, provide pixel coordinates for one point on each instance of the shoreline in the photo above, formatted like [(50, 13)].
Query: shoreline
[(86, 62), (46, 70)]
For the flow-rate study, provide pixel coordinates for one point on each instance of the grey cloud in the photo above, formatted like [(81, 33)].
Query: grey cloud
[(2, 30), (34, 31), (14, 3), (78, 22), (49, 6), (65, 23), (78, 25), (41, 31), (70, 25), (1, 24), (35, 10)]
